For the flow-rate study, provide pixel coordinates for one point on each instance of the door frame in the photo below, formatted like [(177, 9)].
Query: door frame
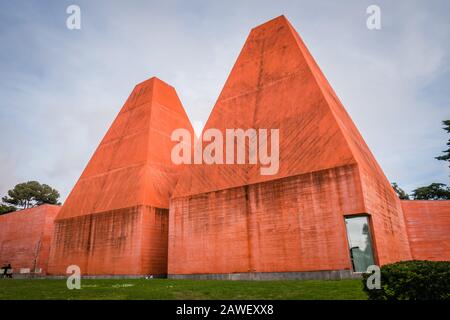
[(371, 236)]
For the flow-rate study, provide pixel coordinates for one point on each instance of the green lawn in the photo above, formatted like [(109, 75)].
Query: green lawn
[(181, 289)]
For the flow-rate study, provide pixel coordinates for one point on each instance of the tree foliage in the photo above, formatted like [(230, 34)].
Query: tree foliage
[(446, 155), (400, 192), (434, 191), (30, 194), (6, 209)]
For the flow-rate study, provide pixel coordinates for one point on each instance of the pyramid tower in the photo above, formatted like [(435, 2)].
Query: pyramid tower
[(115, 220), (231, 219)]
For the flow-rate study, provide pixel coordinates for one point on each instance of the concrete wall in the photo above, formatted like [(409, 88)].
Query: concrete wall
[(286, 225), (380, 201), (231, 218), (428, 225), (25, 237), (131, 241), (110, 224), (388, 225), (307, 275)]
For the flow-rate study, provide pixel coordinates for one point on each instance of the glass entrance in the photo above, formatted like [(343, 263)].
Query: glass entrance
[(360, 242)]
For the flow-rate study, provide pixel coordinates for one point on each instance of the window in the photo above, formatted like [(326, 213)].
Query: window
[(360, 242)]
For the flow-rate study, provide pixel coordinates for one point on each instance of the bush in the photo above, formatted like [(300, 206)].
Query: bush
[(412, 280)]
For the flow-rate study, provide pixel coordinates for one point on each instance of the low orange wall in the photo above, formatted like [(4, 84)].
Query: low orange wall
[(130, 241), (428, 225), (25, 237), (286, 225)]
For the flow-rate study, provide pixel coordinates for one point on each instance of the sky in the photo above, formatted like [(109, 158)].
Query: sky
[(60, 89)]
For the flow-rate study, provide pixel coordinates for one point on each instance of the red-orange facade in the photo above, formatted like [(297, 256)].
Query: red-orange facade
[(232, 219), (134, 212), (115, 220), (428, 225), (25, 238)]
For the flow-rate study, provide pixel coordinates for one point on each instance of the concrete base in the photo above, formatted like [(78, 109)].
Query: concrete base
[(27, 276), (308, 275), (116, 276)]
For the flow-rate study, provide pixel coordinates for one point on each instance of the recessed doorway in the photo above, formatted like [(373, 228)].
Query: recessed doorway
[(360, 242)]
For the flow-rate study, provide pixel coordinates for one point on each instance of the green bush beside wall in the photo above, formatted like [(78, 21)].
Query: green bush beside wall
[(412, 280)]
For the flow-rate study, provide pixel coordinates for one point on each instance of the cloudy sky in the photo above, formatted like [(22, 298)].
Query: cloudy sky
[(60, 89)]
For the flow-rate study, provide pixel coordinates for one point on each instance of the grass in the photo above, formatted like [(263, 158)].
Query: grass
[(137, 289)]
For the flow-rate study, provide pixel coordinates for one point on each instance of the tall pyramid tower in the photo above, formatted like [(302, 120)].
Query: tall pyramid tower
[(115, 220), (230, 219)]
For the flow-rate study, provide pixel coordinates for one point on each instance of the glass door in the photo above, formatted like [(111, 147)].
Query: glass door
[(360, 242)]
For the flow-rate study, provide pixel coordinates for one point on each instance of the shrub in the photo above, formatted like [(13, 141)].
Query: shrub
[(412, 280)]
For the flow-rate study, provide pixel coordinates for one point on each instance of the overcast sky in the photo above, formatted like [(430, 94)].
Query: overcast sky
[(60, 89)]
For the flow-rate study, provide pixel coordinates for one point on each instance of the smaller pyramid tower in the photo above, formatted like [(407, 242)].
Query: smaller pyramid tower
[(115, 220)]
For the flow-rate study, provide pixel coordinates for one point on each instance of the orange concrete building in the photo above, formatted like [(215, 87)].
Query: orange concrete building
[(328, 212), (25, 238), (115, 220), (229, 220)]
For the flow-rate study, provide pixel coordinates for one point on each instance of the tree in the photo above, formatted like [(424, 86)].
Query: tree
[(446, 155), (6, 209), (400, 192), (30, 194), (435, 191)]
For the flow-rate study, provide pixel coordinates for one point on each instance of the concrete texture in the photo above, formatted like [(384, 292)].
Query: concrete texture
[(230, 219), (314, 275), (25, 237), (115, 220), (428, 225), (284, 225)]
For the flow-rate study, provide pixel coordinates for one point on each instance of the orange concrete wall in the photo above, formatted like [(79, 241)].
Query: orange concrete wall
[(128, 241), (291, 224), (388, 225), (275, 83), (428, 225), (380, 201), (272, 86), (155, 230), (110, 224), (25, 237)]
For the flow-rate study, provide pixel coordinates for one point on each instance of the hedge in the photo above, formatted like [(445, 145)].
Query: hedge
[(412, 280)]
